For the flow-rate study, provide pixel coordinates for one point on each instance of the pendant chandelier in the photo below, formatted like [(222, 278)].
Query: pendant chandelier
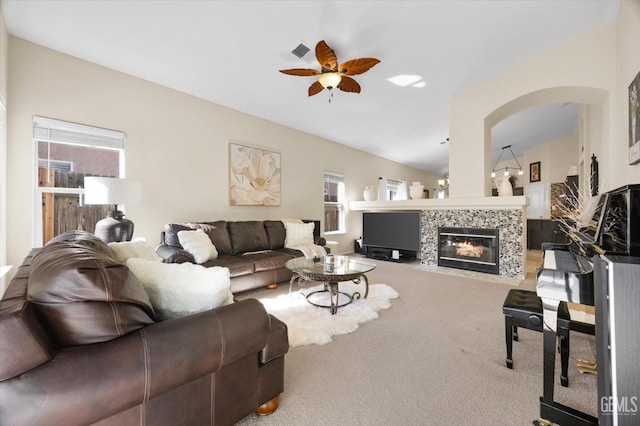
[(506, 168)]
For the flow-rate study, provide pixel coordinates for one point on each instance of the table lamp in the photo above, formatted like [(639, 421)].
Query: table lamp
[(113, 191)]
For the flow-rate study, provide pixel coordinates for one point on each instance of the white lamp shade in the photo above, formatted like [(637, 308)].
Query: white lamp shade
[(112, 191)]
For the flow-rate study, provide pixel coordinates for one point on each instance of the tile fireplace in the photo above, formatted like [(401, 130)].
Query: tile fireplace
[(473, 249), (506, 214)]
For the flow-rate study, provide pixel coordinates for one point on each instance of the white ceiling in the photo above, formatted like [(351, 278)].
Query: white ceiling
[(229, 52)]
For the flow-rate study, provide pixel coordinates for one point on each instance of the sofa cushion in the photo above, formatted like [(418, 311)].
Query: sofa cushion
[(248, 236), (291, 252), (267, 261), (179, 289), (237, 265), (276, 233), (218, 233), (198, 244), (83, 295)]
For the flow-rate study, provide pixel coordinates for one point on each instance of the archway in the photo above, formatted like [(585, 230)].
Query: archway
[(470, 148), (593, 124)]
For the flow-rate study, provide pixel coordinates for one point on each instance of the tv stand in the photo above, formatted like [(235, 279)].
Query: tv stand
[(383, 253)]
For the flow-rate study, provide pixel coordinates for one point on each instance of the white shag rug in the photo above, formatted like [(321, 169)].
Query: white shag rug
[(309, 324)]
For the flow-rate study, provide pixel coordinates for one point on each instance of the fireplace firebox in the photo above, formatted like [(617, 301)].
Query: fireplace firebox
[(473, 249)]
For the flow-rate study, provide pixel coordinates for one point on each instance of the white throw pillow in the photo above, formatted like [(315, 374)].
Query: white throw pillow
[(136, 248), (198, 244), (179, 289), (298, 234)]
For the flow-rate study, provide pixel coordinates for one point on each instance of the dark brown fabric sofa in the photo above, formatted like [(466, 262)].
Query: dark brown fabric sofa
[(254, 251), (79, 345)]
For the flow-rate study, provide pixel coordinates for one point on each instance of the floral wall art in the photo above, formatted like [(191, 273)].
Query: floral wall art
[(254, 176), (634, 120)]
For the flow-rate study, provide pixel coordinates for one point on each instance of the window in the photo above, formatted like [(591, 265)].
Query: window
[(333, 202), (64, 154)]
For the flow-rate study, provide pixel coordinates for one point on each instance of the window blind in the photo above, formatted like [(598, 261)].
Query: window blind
[(333, 177), (51, 130)]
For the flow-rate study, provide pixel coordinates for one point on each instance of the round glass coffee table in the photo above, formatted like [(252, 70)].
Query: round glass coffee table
[(343, 268)]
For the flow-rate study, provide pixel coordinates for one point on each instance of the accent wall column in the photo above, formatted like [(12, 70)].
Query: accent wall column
[(469, 150)]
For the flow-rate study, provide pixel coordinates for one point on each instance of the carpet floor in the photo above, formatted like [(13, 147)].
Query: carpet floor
[(435, 357)]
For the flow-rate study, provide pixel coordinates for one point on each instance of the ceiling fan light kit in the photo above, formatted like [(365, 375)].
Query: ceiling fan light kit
[(330, 80), (333, 75)]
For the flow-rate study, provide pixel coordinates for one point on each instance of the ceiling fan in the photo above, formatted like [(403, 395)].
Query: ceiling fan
[(333, 75)]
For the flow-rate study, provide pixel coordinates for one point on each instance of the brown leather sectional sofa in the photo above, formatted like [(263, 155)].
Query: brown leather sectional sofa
[(79, 344), (253, 251)]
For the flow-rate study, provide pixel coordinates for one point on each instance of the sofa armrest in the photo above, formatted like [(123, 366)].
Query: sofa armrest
[(278, 343), (172, 254), (84, 384), (203, 343)]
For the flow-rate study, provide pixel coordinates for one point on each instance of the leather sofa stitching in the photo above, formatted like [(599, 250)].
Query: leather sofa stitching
[(109, 298), (147, 383), (213, 399), (223, 342), (116, 316), (103, 275)]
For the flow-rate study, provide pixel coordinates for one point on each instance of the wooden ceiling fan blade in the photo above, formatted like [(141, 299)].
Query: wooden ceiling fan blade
[(315, 88), (347, 84), (326, 56), (357, 66), (303, 72)]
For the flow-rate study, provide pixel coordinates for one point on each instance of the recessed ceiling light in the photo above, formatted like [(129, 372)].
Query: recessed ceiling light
[(420, 84), (405, 79)]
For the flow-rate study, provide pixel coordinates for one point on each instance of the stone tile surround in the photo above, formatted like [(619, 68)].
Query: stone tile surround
[(509, 222)]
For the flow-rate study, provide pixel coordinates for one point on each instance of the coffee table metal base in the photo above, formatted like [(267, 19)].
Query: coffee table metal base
[(331, 287)]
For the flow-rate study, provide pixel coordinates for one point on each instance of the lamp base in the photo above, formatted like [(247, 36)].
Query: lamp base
[(114, 228)]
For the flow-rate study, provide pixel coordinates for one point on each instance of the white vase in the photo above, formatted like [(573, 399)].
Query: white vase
[(370, 193), (504, 187), (416, 190)]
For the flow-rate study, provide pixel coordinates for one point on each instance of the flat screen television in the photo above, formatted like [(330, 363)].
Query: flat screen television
[(397, 230)]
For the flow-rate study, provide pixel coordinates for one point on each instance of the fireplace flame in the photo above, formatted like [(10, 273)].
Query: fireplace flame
[(468, 249)]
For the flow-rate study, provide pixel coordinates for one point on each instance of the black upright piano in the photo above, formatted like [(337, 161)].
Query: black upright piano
[(607, 242)]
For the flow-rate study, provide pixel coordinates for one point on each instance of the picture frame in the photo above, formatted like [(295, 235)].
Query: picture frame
[(534, 172), (634, 120), (254, 176)]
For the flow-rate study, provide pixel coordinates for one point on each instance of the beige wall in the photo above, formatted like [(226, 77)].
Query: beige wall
[(175, 143), (3, 148), (4, 46), (627, 66), (593, 69)]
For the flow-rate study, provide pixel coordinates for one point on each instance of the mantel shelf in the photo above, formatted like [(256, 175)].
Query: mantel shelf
[(516, 202)]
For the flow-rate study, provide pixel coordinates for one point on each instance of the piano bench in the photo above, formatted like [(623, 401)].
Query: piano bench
[(523, 308)]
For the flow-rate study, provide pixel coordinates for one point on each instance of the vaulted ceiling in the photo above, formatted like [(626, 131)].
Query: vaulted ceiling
[(229, 52)]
